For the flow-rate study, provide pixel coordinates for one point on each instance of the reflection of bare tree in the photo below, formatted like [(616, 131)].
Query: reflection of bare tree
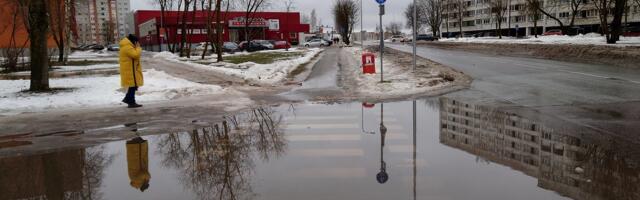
[(75, 174), (216, 161), (610, 172)]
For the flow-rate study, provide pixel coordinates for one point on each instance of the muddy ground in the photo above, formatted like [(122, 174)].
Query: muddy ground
[(617, 56)]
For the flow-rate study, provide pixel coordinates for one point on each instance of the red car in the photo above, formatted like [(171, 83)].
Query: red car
[(631, 31), (280, 44), (553, 32)]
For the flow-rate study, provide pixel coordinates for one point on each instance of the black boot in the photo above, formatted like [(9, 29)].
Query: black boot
[(134, 105)]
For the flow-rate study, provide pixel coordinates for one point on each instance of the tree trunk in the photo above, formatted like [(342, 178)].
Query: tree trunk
[(219, 29), (535, 27), (183, 33), (38, 29), (616, 24)]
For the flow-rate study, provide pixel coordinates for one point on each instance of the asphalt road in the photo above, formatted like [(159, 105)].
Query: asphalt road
[(597, 97)]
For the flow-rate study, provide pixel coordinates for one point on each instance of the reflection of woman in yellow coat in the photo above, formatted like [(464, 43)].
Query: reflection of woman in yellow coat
[(130, 69), (138, 163)]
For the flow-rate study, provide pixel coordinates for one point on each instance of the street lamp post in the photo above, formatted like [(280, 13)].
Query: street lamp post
[(361, 27), (381, 2), (415, 21)]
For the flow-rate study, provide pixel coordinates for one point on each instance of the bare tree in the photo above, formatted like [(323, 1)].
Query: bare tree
[(498, 9), (551, 6), (421, 18), (250, 7), (603, 7), (461, 9), (345, 14), (395, 28), (58, 24), (616, 24), (164, 5), (576, 7), (289, 5), (533, 9), (433, 12), (184, 33), (37, 25), (14, 49)]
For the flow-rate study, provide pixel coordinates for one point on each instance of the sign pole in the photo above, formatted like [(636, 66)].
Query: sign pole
[(415, 32), (361, 28), (381, 41)]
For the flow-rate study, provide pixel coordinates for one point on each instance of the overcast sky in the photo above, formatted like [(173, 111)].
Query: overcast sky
[(394, 10)]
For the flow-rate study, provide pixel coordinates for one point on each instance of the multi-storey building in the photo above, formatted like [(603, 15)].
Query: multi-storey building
[(478, 18), (564, 160), (101, 21)]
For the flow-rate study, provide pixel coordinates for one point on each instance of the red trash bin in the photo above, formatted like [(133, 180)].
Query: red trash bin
[(368, 63)]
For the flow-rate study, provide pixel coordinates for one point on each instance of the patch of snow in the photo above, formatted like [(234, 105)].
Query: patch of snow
[(582, 39), (398, 81), (261, 74), (74, 68), (91, 54), (97, 91)]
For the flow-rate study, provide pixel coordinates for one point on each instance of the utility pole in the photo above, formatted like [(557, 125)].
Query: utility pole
[(415, 21), (361, 28), (381, 5)]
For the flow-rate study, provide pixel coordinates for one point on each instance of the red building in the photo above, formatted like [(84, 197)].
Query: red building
[(263, 25)]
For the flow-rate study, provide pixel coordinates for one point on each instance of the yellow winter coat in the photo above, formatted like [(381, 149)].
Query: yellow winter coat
[(138, 163), (130, 69)]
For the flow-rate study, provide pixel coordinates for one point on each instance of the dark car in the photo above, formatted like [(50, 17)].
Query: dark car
[(575, 31), (255, 45), (631, 31), (425, 37), (113, 47)]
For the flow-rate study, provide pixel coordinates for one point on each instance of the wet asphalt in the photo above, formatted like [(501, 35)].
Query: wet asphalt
[(602, 98)]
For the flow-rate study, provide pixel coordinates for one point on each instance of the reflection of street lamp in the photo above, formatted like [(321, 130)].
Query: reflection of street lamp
[(414, 148), (382, 176)]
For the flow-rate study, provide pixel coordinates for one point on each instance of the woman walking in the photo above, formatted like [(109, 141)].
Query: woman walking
[(130, 69)]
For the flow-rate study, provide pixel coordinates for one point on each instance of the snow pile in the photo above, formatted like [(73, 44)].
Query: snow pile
[(398, 80), (261, 74), (586, 39), (97, 91)]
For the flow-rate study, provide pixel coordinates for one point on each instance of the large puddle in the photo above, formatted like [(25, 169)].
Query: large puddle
[(457, 150)]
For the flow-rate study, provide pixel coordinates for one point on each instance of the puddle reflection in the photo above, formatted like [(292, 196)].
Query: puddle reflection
[(315, 151), (574, 166)]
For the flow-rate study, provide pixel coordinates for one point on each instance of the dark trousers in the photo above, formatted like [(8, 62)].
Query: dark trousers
[(130, 97)]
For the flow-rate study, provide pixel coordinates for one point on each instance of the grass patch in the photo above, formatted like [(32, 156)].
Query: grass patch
[(262, 58)]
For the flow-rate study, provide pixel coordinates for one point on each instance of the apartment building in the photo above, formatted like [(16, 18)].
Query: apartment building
[(102, 21), (477, 17), (564, 162)]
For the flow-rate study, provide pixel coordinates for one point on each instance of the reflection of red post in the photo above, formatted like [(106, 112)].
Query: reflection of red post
[(368, 63), (368, 105)]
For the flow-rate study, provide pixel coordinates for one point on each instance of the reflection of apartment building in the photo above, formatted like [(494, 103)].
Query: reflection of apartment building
[(477, 17), (561, 162), (101, 21)]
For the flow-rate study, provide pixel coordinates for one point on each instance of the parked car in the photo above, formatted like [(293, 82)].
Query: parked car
[(631, 31), (397, 38), (113, 47), (468, 35), (230, 47), (553, 32), (575, 30), (328, 41), (280, 44), (425, 37), (255, 45), (95, 47), (316, 43)]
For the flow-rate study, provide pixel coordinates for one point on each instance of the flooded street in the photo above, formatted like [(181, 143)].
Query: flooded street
[(458, 150)]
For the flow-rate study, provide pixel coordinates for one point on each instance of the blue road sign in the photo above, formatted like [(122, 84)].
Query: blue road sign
[(381, 1)]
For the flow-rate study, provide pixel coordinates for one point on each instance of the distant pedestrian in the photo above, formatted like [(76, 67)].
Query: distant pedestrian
[(130, 70)]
